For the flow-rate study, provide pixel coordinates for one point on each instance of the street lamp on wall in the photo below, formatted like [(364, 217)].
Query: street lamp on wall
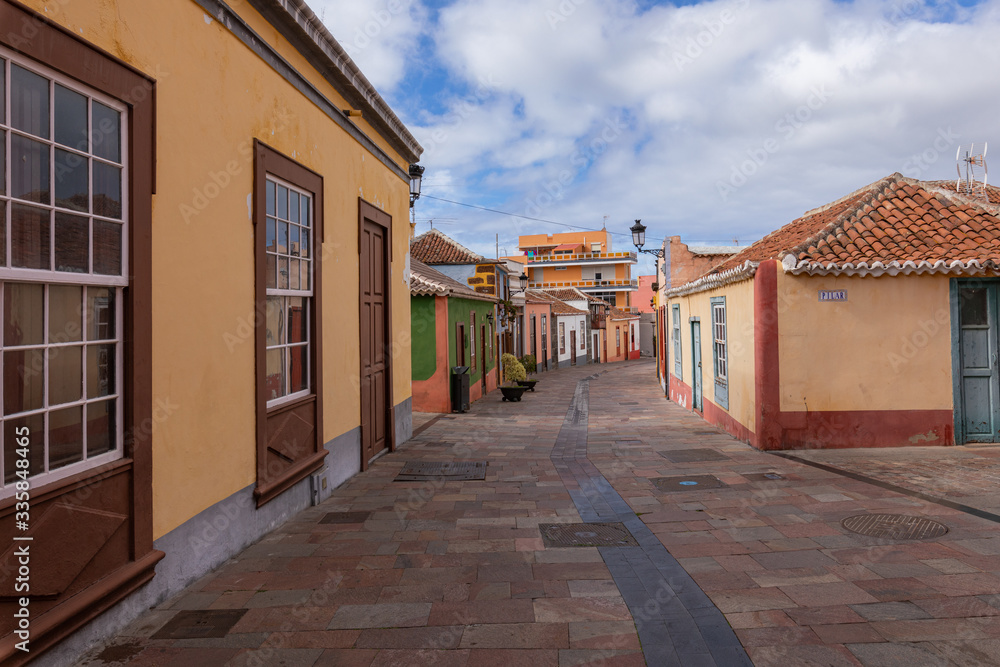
[(416, 176), (523, 282), (639, 239)]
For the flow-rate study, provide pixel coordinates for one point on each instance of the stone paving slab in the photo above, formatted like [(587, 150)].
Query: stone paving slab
[(456, 572)]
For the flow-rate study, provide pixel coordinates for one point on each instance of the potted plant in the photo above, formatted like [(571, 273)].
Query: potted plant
[(528, 361), (514, 372)]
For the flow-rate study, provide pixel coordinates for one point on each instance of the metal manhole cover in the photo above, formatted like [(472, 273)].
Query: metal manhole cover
[(688, 483), (586, 535), (894, 526), (200, 624), (345, 517), (419, 471), (764, 476), (693, 455)]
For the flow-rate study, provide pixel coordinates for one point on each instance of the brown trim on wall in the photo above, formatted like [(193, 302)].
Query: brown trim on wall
[(272, 483), (127, 558)]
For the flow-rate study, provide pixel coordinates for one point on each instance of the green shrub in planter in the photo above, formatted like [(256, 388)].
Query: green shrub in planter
[(512, 368), (528, 361)]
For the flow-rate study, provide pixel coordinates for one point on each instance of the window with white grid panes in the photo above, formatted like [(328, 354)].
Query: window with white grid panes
[(675, 311), (720, 352), (583, 337), (289, 275), (63, 266), (719, 340)]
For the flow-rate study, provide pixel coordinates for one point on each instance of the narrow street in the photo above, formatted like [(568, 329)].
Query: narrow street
[(734, 556)]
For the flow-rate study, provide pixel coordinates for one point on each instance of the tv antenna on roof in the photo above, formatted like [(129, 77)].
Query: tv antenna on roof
[(970, 184)]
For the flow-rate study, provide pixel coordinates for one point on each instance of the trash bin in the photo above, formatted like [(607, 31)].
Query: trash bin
[(459, 389)]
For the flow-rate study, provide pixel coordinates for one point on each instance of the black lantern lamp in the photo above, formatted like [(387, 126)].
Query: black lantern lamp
[(523, 282), (416, 175), (639, 239)]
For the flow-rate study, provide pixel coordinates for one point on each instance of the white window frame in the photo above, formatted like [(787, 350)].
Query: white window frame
[(583, 334), (675, 310), (720, 351), (49, 277), (286, 293)]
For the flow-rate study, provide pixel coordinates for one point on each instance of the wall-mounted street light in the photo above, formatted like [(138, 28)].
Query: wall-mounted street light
[(416, 175), (639, 239), (523, 282)]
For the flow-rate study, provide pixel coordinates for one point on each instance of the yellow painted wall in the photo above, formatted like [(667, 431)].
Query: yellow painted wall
[(740, 335), (888, 347), (214, 96)]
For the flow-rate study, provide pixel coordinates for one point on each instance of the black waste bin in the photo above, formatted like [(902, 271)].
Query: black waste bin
[(459, 389)]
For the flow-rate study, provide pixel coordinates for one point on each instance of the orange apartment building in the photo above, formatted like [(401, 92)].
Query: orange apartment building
[(583, 260)]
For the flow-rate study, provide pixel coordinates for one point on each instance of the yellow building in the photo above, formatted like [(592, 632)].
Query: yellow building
[(204, 295), (869, 322), (583, 260)]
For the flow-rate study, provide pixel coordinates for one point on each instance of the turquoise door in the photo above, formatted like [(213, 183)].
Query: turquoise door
[(696, 365), (979, 380)]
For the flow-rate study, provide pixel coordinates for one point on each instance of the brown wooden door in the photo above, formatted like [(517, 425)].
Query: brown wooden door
[(375, 361), (572, 344)]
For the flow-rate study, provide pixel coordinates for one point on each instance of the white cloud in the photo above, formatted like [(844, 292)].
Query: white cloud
[(730, 117), (379, 35)]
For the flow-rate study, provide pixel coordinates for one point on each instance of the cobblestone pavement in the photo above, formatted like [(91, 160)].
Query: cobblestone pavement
[(457, 572)]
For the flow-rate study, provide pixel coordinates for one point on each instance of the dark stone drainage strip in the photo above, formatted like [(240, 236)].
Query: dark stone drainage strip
[(677, 623), (421, 471), (693, 455), (345, 517)]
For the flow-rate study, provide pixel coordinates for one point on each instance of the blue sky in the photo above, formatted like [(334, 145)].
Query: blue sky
[(715, 121)]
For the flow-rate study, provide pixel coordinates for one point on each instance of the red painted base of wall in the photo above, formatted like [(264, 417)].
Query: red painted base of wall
[(679, 392), (432, 395), (865, 428), (713, 414), (634, 354), (832, 430)]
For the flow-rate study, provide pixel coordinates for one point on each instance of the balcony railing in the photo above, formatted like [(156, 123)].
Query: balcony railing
[(589, 284), (549, 257)]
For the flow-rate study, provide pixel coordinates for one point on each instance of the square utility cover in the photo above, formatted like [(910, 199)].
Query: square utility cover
[(693, 455), (200, 624), (687, 483), (586, 535), (419, 471)]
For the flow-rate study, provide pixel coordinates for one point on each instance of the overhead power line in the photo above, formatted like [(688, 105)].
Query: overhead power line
[(526, 217)]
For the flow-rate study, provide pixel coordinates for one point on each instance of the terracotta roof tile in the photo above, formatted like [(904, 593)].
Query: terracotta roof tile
[(428, 281), (433, 247), (894, 220)]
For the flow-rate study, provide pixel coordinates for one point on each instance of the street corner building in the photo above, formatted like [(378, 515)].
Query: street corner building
[(204, 291), (446, 316), (869, 322)]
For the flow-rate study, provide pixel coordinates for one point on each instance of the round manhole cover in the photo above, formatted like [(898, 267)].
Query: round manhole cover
[(894, 526)]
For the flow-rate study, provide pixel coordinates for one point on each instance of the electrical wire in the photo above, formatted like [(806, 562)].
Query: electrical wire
[(528, 217)]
